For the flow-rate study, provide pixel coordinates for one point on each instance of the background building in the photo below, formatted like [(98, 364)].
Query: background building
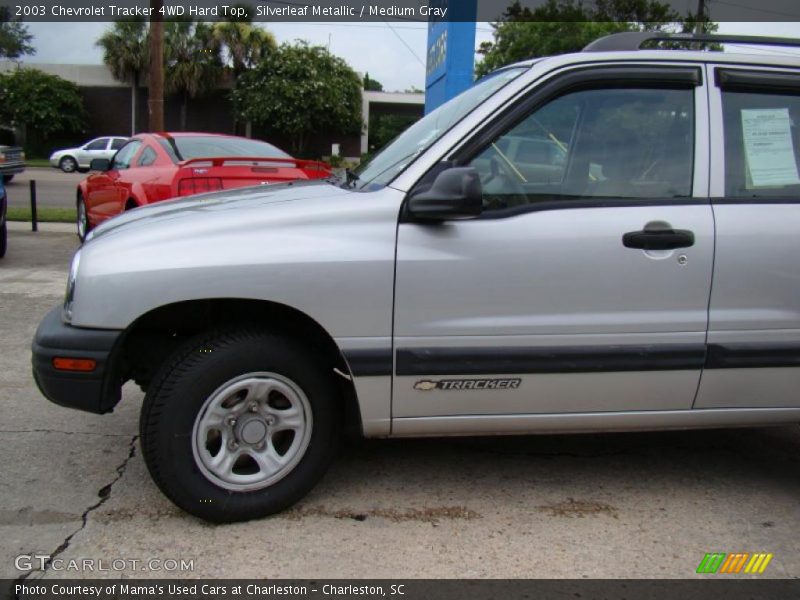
[(108, 106)]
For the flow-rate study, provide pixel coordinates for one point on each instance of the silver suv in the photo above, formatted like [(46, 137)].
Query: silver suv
[(634, 268)]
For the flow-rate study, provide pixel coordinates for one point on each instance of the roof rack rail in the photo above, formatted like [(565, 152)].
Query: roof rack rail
[(633, 40)]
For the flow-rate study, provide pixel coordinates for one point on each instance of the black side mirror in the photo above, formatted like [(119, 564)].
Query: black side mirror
[(455, 194), (100, 164)]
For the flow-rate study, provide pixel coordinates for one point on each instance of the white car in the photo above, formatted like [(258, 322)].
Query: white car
[(70, 160)]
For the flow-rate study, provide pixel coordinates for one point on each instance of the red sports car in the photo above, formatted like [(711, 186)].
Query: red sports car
[(158, 166)]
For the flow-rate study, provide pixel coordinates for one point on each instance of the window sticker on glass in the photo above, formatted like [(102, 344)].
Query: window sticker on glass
[(767, 134)]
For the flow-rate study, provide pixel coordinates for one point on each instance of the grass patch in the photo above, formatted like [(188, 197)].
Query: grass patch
[(37, 162), (51, 214)]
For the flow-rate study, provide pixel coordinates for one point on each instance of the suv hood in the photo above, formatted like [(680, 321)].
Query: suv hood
[(221, 206)]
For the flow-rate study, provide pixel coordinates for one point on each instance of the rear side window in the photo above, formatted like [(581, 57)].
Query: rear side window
[(118, 143), (762, 144)]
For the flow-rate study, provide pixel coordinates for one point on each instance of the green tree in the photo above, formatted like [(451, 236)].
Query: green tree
[(562, 26), (38, 104), (300, 90), (372, 85), (193, 61), (126, 54), (15, 41), (384, 128)]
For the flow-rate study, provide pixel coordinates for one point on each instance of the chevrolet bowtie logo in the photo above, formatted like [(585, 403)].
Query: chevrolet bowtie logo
[(425, 385)]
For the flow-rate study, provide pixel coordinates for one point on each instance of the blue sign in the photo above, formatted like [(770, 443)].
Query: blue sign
[(451, 52)]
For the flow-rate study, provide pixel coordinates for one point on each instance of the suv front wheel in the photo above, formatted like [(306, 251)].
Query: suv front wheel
[(239, 425)]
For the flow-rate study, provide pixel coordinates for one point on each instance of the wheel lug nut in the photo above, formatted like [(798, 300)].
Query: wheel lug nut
[(270, 421), (231, 421), (254, 407), (260, 446), (233, 445)]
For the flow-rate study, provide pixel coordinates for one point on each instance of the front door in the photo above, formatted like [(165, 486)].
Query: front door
[(584, 286), (106, 190)]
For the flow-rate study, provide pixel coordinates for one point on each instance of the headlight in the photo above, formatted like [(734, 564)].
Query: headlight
[(70, 295)]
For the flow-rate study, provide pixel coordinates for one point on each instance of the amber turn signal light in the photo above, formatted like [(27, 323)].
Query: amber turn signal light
[(75, 364)]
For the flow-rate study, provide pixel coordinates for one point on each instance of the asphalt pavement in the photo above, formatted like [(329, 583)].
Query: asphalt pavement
[(53, 187), (73, 485)]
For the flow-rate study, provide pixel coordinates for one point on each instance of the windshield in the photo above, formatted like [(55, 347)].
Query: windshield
[(185, 147), (413, 141)]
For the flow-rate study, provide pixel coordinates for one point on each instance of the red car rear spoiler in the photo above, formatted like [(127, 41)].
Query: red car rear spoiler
[(219, 161)]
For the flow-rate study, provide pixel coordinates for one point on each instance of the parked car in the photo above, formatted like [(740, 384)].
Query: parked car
[(444, 290), (78, 159), (3, 217), (159, 166), (12, 162)]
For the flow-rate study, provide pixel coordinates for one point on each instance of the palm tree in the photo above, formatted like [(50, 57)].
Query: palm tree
[(194, 65), (126, 53), (246, 44)]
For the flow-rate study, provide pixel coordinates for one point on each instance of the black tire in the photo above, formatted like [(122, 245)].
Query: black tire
[(68, 164), (178, 393), (83, 228), (7, 178), (3, 239)]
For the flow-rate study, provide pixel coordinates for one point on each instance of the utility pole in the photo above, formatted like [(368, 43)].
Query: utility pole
[(155, 101), (700, 17)]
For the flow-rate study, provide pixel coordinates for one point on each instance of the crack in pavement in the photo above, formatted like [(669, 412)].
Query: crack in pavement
[(104, 494), (65, 432)]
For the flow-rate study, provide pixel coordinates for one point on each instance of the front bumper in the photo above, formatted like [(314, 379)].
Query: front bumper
[(12, 168), (96, 391)]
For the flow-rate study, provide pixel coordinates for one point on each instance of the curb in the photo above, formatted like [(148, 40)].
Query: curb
[(43, 227)]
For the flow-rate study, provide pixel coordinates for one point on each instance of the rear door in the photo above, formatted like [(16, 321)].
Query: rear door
[(754, 328), (551, 301)]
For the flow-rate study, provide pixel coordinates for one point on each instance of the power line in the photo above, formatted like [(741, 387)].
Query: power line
[(419, 60)]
